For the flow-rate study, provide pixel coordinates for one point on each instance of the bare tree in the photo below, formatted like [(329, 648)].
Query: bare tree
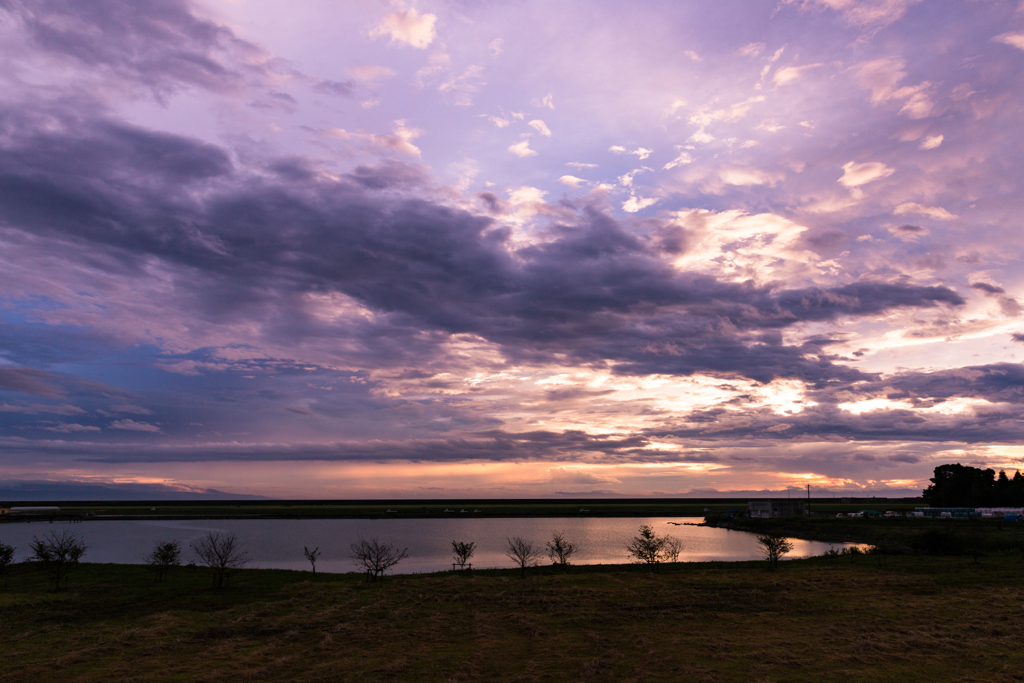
[(311, 555), (6, 559), (221, 552), (673, 546), (163, 557), (58, 553), (560, 550), (774, 547), (462, 552), (376, 557), (650, 549), (522, 553)]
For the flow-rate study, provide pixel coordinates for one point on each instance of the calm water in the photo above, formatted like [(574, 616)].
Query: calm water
[(277, 543)]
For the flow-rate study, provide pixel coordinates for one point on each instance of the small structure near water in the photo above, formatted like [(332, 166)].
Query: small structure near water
[(775, 509)]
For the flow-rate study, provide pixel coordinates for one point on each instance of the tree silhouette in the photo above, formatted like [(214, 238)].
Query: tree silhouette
[(163, 557), (376, 557), (58, 553), (221, 552), (311, 555), (463, 552), (522, 552)]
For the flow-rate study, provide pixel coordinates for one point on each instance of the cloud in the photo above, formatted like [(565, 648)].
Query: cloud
[(32, 381), (1012, 39), (855, 175), (908, 233), (72, 428), (744, 177), (987, 288), (158, 43), (931, 142), (640, 152), (399, 141), (882, 76), (936, 212), (788, 74), (35, 408), (681, 159), (548, 102), (370, 73), (522, 149), (634, 203), (751, 50), (571, 181), (861, 13), (540, 127), (407, 27), (133, 426), (462, 86)]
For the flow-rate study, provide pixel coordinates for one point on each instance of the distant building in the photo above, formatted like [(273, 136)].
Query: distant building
[(949, 513), (34, 509), (775, 509), (999, 512)]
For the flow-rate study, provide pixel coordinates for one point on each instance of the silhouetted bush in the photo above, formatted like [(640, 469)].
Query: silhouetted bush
[(221, 552), (6, 559), (58, 553), (938, 542), (163, 557)]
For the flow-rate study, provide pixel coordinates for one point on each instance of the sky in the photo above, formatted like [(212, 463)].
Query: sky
[(521, 249)]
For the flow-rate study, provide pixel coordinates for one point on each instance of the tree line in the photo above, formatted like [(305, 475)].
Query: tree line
[(964, 486), (222, 552)]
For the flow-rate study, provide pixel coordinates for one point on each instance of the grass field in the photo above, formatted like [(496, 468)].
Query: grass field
[(866, 618)]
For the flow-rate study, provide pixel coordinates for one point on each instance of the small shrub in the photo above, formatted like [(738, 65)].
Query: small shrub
[(560, 550), (462, 552), (58, 553), (938, 542), (650, 549), (163, 557), (6, 559), (376, 557), (221, 552), (522, 552), (774, 547), (311, 555)]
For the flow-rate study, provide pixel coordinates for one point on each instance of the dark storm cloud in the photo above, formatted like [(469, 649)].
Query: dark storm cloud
[(253, 244), (828, 423), (490, 445), (32, 381), (998, 383), (987, 288), (158, 43), (338, 88)]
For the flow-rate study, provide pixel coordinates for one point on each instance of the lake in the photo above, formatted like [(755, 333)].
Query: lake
[(277, 543)]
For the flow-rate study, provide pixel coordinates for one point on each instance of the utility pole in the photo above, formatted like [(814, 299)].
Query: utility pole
[(808, 499)]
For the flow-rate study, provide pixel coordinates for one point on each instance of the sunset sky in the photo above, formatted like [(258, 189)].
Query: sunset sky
[(510, 249)]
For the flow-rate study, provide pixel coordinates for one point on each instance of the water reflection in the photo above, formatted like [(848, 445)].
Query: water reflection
[(277, 543)]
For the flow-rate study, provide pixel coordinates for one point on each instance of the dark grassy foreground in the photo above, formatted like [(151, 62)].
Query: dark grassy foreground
[(871, 618)]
